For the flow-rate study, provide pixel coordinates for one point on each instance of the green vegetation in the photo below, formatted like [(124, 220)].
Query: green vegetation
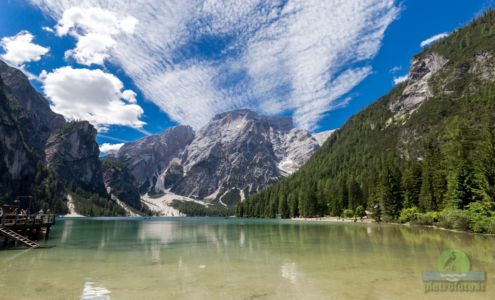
[(436, 166), (123, 184), (194, 209), (94, 205)]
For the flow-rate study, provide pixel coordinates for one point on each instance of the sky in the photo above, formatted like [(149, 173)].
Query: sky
[(135, 68)]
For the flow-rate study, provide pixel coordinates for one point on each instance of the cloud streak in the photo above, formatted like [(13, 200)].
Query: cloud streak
[(198, 58), (433, 39)]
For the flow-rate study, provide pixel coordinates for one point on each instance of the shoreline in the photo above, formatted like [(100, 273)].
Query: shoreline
[(327, 219), (336, 220), (370, 221)]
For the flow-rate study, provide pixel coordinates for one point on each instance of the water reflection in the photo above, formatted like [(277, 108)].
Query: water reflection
[(289, 271), (214, 258), (94, 291)]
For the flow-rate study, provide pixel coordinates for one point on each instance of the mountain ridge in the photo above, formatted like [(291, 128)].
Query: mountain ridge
[(235, 154)]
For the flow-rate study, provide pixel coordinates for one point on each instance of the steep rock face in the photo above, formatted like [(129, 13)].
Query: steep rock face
[(418, 88), (72, 152), (235, 154), (148, 157), (29, 107), (120, 183), (18, 159), (25, 124)]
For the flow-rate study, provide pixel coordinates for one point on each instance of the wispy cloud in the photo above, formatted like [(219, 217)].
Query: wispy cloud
[(112, 138), (395, 69), (433, 39), (296, 57)]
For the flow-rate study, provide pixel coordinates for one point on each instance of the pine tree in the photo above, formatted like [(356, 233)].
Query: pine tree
[(283, 207)]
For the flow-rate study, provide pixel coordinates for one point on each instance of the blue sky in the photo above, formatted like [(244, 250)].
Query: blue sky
[(136, 69)]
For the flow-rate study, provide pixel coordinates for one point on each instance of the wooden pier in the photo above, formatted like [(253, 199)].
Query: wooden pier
[(18, 228)]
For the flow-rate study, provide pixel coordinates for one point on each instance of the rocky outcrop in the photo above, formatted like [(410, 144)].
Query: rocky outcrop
[(148, 157), (29, 108), (120, 183), (484, 66), (72, 152), (417, 88)]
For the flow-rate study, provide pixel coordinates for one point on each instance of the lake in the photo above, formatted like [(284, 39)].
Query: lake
[(217, 258)]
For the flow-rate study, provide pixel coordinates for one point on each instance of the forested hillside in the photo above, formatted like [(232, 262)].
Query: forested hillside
[(424, 153)]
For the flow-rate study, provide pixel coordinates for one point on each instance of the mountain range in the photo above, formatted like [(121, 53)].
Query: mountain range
[(53, 160), (234, 155)]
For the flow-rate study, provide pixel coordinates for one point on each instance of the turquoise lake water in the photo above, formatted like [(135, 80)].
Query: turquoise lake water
[(217, 258)]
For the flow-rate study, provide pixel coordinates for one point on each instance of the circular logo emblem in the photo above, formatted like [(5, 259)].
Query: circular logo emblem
[(453, 261)]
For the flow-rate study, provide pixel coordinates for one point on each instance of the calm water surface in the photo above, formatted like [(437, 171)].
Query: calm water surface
[(215, 258)]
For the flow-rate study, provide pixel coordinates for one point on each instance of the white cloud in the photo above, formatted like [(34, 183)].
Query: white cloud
[(92, 48), (91, 95), (297, 57), (47, 29), (95, 30), (20, 49), (395, 69), (130, 96), (400, 79), (433, 39), (105, 147)]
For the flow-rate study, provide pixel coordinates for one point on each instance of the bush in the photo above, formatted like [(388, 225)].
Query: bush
[(360, 212), (408, 215), (455, 219), (428, 218), (348, 213), (481, 208)]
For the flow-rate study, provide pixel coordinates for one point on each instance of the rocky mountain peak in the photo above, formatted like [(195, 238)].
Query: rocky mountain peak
[(146, 158), (417, 88), (236, 153)]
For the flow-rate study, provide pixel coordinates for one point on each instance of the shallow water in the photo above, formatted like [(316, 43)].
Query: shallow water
[(216, 258)]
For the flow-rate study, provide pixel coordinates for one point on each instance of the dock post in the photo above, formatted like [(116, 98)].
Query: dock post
[(47, 234)]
